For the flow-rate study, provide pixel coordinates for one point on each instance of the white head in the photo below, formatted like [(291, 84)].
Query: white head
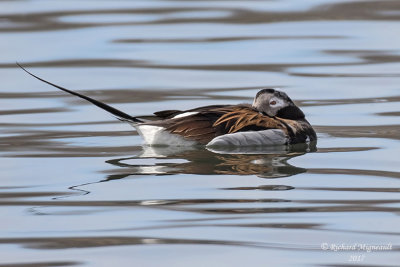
[(273, 103)]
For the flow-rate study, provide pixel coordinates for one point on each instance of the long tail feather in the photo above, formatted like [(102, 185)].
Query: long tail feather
[(119, 114)]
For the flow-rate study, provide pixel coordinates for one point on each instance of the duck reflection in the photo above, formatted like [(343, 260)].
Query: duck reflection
[(264, 162)]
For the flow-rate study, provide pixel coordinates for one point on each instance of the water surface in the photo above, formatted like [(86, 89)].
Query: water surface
[(79, 189)]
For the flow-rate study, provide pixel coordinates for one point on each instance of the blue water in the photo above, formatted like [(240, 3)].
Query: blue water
[(78, 188)]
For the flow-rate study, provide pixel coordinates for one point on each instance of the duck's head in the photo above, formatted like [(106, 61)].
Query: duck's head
[(273, 103)]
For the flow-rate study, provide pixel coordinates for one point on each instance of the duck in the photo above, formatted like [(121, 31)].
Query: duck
[(272, 119)]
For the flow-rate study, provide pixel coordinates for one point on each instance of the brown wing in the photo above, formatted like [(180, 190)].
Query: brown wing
[(197, 128), (213, 121), (243, 117)]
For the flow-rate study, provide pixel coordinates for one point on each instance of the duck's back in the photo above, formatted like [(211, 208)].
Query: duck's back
[(237, 125)]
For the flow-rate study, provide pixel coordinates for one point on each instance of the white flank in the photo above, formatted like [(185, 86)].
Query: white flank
[(156, 135), (184, 115), (251, 138)]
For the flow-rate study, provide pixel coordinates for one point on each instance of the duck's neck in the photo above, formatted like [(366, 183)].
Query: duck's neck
[(291, 112)]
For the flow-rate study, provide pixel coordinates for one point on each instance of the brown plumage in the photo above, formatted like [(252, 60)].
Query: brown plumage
[(240, 117), (212, 121)]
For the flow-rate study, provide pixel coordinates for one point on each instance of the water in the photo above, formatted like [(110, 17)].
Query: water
[(78, 188)]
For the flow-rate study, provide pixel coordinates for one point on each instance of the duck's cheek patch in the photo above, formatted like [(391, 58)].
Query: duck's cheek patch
[(277, 103)]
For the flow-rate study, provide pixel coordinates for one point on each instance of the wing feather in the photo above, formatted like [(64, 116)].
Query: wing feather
[(213, 121)]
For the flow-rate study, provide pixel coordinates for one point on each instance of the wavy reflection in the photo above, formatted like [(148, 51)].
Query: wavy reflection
[(339, 61), (265, 162), (75, 19), (107, 241)]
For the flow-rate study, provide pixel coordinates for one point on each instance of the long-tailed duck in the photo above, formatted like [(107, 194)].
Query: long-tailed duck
[(272, 119)]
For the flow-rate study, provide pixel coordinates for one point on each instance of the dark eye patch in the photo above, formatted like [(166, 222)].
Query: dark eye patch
[(264, 91)]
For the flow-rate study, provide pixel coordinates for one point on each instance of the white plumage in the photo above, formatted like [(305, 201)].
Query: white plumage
[(185, 114), (156, 135)]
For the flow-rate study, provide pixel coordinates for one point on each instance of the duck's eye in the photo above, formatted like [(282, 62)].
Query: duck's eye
[(272, 103)]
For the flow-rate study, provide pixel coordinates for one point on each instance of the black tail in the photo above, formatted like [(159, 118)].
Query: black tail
[(120, 115)]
